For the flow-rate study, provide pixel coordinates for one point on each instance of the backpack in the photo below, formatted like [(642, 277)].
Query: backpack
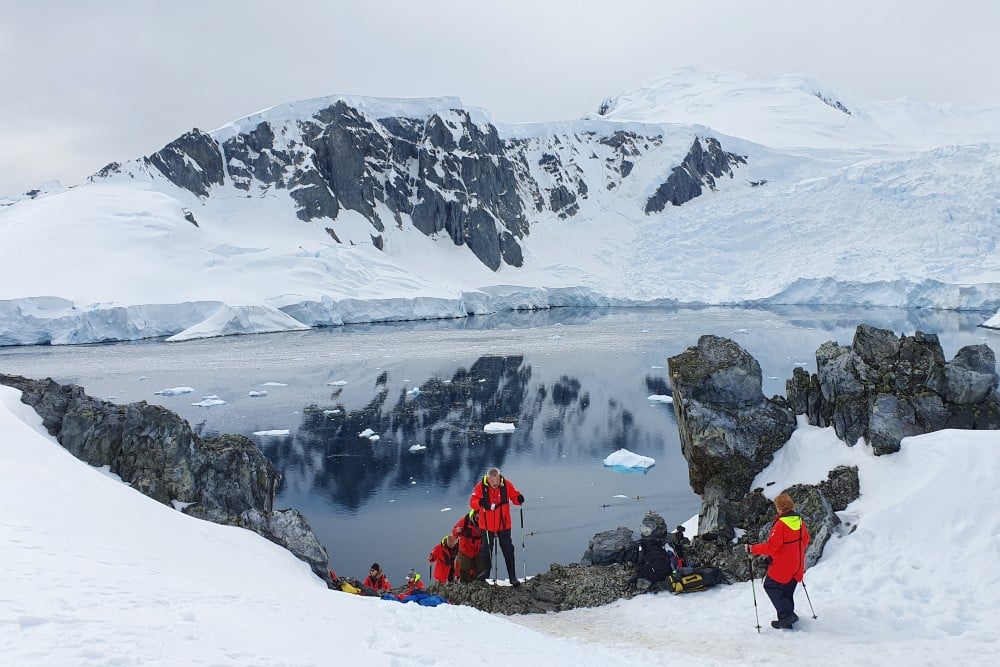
[(692, 579), (655, 562)]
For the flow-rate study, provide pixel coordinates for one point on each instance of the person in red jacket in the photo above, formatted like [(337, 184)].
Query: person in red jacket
[(472, 563), (444, 556), (493, 497), (786, 545), (376, 579), (413, 585)]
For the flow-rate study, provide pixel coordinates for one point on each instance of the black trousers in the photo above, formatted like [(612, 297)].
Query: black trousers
[(781, 596), (506, 547)]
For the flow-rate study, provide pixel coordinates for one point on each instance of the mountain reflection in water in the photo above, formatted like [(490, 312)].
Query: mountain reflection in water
[(431, 438)]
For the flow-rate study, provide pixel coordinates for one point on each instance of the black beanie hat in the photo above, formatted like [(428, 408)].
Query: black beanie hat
[(375, 566)]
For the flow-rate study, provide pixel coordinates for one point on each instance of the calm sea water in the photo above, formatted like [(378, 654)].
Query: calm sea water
[(575, 383)]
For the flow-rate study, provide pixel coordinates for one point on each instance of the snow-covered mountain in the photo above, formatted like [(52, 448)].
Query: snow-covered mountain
[(701, 187)]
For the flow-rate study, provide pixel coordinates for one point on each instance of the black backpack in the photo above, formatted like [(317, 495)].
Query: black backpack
[(655, 562)]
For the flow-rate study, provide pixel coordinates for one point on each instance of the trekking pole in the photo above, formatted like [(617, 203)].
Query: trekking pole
[(807, 598), (524, 566), (754, 591), (496, 539)]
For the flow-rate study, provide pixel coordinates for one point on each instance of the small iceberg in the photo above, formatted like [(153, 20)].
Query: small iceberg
[(274, 384), (327, 413), (417, 448), (498, 427), (337, 383), (660, 398), (258, 393), (276, 432), (209, 401), (445, 509), (623, 459), (175, 391), (367, 433), (413, 392)]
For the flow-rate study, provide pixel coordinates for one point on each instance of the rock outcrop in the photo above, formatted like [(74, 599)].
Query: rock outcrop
[(700, 168), (729, 431), (883, 388), (224, 479)]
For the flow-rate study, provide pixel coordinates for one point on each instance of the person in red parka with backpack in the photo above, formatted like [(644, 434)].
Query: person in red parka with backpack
[(472, 562), (493, 498), (786, 546), (444, 556)]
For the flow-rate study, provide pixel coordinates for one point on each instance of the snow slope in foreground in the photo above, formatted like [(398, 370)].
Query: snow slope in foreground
[(94, 573)]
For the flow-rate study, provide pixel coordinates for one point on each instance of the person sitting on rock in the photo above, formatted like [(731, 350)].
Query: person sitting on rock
[(414, 584), (445, 556), (376, 579)]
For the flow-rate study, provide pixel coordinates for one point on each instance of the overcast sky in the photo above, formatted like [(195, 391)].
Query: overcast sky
[(86, 83)]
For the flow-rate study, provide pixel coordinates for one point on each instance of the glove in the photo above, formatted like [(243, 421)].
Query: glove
[(520, 499), (485, 503)]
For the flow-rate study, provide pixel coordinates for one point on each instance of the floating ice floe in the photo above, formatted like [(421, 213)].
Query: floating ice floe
[(209, 401), (367, 433), (742, 331), (626, 460), (498, 427), (417, 448), (413, 392), (374, 438), (620, 495), (327, 413), (273, 384), (660, 398), (175, 391), (258, 393), (445, 509), (275, 432), (337, 383)]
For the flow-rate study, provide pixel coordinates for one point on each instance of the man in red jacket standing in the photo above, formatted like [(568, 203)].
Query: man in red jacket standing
[(493, 497), (786, 545)]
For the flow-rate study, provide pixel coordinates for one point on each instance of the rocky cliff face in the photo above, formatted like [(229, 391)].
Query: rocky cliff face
[(224, 479), (883, 388), (444, 173)]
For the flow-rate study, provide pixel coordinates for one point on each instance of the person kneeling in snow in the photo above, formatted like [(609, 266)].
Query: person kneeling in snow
[(786, 545)]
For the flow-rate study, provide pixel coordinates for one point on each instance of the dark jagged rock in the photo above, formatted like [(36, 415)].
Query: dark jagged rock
[(883, 388), (611, 546), (729, 431), (199, 148), (224, 479), (701, 167)]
